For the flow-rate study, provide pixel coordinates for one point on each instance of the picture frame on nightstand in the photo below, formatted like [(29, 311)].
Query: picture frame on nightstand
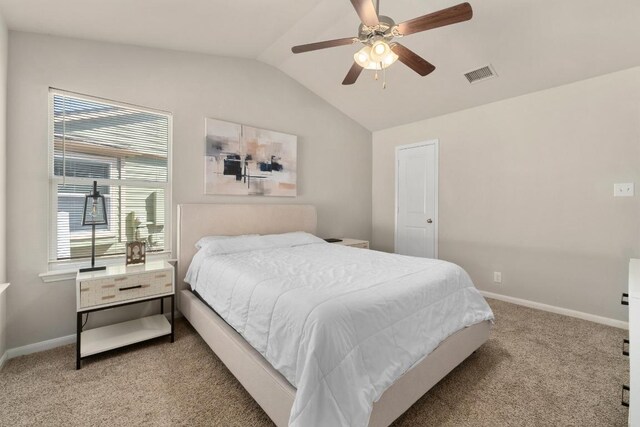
[(136, 253)]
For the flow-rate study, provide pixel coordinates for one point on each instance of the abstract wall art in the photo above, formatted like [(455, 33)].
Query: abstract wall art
[(247, 161)]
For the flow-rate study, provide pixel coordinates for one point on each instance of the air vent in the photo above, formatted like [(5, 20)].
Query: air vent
[(481, 74)]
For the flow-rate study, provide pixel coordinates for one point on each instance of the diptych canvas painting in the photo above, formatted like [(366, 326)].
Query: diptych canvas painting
[(244, 160)]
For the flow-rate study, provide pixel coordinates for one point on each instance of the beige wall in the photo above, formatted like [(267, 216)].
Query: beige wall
[(4, 36), (334, 153), (526, 187)]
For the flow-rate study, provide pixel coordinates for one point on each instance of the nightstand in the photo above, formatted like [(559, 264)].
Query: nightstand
[(354, 243), (118, 286)]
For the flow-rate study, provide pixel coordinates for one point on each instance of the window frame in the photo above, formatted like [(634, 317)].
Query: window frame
[(54, 181)]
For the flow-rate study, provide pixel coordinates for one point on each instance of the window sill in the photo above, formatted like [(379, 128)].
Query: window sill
[(66, 271), (58, 276)]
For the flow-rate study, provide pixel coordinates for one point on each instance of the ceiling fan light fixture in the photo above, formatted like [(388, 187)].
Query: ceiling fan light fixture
[(379, 50), (389, 59), (364, 58)]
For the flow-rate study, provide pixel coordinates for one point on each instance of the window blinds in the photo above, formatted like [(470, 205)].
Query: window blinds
[(124, 149)]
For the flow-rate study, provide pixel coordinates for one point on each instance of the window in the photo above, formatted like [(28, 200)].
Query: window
[(126, 150)]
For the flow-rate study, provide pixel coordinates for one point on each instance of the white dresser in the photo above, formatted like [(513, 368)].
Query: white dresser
[(117, 286), (634, 342)]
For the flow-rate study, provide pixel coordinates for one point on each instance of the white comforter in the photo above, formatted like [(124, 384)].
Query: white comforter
[(341, 324)]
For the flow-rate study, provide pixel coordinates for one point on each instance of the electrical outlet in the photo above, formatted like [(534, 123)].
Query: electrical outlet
[(623, 190), (497, 277)]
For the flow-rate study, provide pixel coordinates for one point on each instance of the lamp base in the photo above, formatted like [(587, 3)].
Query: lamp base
[(84, 270)]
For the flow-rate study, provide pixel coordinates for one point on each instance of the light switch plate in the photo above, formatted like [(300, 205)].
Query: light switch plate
[(623, 190)]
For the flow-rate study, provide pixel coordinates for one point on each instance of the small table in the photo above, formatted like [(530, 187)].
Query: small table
[(354, 243), (119, 286)]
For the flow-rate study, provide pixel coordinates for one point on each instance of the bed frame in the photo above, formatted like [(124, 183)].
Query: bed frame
[(265, 384)]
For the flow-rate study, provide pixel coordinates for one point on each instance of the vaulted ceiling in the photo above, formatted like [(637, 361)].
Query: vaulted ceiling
[(532, 44)]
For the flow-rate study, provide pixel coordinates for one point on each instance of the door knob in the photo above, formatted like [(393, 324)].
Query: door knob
[(429, 221)]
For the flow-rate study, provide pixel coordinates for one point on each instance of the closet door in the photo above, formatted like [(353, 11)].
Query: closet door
[(417, 200)]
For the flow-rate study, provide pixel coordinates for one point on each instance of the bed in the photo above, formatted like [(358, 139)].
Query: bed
[(271, 389)]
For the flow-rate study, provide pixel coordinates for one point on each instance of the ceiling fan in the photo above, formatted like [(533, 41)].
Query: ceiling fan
[(376, 33)]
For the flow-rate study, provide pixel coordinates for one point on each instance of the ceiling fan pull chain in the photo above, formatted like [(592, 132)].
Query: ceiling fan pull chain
[(384, 77)]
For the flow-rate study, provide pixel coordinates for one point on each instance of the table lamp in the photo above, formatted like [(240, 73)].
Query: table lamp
[(95, 213)]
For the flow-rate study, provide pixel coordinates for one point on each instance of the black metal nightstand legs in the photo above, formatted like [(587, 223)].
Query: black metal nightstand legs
[(78, 335), (173, 298)]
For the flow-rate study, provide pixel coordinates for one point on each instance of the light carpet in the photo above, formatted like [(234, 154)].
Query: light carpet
[(537, 369)]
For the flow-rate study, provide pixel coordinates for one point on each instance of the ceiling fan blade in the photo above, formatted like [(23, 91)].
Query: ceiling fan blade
[(353, 74), (323, 45), (366, 11), (451, 15), (412, 60)]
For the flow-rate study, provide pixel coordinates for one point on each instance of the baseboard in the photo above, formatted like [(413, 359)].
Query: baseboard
[(40, 346), (558, 310)]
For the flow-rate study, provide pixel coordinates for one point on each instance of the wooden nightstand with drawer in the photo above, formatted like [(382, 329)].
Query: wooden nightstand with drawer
[(118, 286), (354, 243)]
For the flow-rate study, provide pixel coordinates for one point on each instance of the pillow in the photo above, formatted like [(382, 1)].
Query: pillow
[(255, 242), (206, 240), (198, 258)]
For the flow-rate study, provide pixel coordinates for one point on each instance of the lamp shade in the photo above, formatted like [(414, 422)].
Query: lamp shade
[(95, 210)]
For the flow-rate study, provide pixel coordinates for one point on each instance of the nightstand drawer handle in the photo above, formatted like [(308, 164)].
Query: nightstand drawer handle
[(108, 286), (108, 296), (120, 279), (84, 289), (130, 287), (168, 285), (160, 276)]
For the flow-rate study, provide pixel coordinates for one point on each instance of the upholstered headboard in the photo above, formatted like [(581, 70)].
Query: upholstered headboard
[(198, 220)]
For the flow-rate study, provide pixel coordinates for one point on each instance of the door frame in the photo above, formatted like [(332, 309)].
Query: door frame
[(436, 144)]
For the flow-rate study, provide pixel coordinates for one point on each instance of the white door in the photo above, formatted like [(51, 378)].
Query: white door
[(417, 199)]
